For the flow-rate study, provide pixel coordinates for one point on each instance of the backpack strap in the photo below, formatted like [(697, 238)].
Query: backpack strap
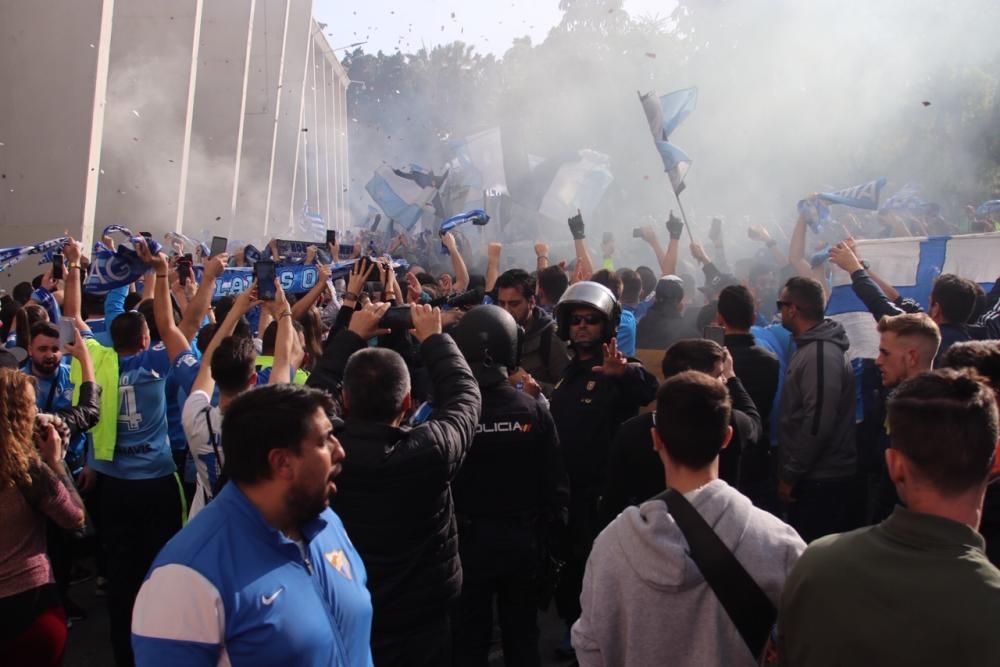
[(749, 608)]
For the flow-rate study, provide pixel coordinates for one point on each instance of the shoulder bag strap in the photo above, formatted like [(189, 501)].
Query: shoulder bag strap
[(751, 611)]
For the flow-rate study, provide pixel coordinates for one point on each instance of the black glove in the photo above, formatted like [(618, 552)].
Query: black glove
[(674, 226), (576, 227)]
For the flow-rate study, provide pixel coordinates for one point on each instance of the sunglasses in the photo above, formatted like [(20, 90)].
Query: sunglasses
[(576, 320), (783, 304)]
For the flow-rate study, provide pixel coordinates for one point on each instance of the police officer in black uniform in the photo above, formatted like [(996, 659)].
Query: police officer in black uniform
[(600, 390), (511, 495)]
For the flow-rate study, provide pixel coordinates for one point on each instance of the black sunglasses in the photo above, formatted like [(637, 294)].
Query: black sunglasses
[(575, 320), (783, 304)]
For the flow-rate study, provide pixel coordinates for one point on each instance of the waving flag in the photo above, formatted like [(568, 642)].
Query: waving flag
[(14, 254), (907, 199), (664, 115), (579, 184), (312, 226), (988, 208), (402, 195)]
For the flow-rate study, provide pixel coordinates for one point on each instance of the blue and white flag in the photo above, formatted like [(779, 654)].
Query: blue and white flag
[(312, 226), (476, 171), (577, 185), (295, 278), (676, 162), (988, 208), (910, 265), (401, 198), (669, 111), (860, 196)]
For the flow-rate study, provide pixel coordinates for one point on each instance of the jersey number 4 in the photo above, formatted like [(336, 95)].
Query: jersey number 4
[(128, 414)]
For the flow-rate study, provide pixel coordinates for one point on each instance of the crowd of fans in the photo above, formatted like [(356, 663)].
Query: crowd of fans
[(386, 468)]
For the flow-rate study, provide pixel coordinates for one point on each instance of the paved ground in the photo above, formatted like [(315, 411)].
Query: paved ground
[(88, 640)]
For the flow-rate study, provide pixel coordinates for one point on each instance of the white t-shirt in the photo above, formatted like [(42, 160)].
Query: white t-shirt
[(203, 428)]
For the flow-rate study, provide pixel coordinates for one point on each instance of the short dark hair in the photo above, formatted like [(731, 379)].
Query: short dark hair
[(983, 356), (692, 414), (44, 328), (376, 382), (22, 292), (126, 331), (270, 336), (807, 295), (609, 280), (648, 280), (956, 296), (945, 422), (147, 309), (692, 354), (519, 279), (631, 285), (92, 304), (233, 364), (552, 281), (247, 437), (736, 306)]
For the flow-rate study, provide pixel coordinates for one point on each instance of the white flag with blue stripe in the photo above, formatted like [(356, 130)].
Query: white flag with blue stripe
[(402, 199), (910, 265), (578, 185)]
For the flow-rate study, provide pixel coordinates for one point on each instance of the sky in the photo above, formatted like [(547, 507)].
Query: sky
[(491, 25)]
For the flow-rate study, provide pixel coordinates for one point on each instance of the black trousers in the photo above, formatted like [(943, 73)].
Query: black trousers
[(138, 517), (821, 507), (499, 562), (584, 525), (426, 645)]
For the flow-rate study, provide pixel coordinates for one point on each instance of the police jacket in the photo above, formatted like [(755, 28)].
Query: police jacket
[(588, 407), (394, 492), (514, 469)]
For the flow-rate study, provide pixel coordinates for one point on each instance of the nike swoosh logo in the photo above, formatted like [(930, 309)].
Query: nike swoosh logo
[(268, 599)]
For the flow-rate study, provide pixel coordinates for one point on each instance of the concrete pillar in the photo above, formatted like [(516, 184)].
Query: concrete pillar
[(263, 79), (285, 152), (219, 111), (324, 194), (147, 120), (53, 74)]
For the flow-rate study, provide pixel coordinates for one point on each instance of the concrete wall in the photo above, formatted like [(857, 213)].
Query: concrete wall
[(168, 116)]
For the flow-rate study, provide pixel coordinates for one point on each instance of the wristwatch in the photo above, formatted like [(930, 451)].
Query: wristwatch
[(865, 265)]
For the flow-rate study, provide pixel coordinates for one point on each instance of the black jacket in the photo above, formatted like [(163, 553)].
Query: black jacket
[(635, 472), (544, 355), (394, 492), (588, 408), (85, 414), (660, 327)]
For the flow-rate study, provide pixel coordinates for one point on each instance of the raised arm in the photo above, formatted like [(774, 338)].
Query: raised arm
[(244, 302), (198, 307), (797, 249), (303, 305), (281, 370), (493, 266), (585, 264), (541, 255), (457, 263), (171, 335), (72, 289)]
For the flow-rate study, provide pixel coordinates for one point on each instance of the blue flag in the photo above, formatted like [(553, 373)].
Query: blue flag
[(907, 199), (111, 269), (663, 116), (14, 254), (675, 162), (312, 225), (402, 198), (988, 208), (295, 278)]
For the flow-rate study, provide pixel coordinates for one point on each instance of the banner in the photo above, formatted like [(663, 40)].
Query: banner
[(910, 265), (14, 254), (111, 269), (294, 278)]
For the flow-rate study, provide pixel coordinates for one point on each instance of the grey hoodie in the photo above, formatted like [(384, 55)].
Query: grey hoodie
[(646, 603), (817, 414)]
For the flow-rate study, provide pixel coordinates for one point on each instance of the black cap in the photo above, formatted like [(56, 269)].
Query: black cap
[(669, 288), (12, 357)]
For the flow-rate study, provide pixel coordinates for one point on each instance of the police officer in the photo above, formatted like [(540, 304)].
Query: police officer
[(510, 493), (600, 389)]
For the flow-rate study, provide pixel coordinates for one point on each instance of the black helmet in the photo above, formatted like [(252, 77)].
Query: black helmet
[(592, 295), (490, 341)]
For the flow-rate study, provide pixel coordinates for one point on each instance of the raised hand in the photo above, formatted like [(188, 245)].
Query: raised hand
[(615, 362)]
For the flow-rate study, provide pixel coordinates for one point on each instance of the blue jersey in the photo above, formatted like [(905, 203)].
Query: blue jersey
[(231, 589), (142, 447)]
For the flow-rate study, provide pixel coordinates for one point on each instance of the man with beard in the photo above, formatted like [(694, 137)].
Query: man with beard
[(266, 574), (600, 389), (544, 355)]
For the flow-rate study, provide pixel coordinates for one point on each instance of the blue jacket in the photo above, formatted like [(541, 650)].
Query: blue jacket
[(231, 589)]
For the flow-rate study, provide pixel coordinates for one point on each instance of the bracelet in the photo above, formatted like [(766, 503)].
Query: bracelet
[(350, 296), (161, 275), (74, 265), (287, 313), (545, 257)]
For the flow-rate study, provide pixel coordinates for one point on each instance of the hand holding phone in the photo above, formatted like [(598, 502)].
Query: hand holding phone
[(715, 333), (67, 331), (264, 273), (58, 266), (219, 244)]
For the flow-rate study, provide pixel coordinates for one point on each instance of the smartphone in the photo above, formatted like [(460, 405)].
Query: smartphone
[(184, 268), (264, 274), (346, 250), (67, 330), (58, 266), (374, 288), (331, 237), (637, 232), (219, 244), (716, 333), (397, 318)]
